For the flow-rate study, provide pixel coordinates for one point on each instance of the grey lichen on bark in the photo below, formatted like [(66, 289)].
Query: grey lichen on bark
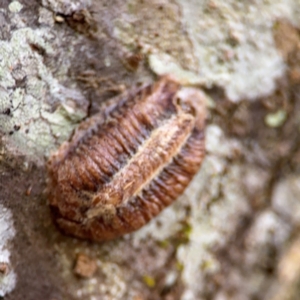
[(28, 94)]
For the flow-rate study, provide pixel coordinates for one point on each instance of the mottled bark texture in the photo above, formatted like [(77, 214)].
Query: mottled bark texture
[(233, 234)]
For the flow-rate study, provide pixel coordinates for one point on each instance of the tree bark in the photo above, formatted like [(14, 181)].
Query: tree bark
[(233, 234)]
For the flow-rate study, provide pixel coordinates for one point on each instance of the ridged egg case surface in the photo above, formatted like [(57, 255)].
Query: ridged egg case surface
[(125, 164)]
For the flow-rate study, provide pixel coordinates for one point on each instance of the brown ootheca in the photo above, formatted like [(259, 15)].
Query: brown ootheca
[(125, 164)]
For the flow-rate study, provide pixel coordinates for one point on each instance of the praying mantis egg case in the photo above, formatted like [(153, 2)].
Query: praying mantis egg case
[(124, 165)]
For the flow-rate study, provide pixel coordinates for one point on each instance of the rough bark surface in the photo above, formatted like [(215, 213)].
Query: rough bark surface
[(234, 232)]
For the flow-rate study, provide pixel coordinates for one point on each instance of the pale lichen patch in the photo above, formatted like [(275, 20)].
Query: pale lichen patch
[(276, 119), (221, 199), (285, 200), (15, 6), (7, 232), (28, 93), (65, 6), (221, 43)]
